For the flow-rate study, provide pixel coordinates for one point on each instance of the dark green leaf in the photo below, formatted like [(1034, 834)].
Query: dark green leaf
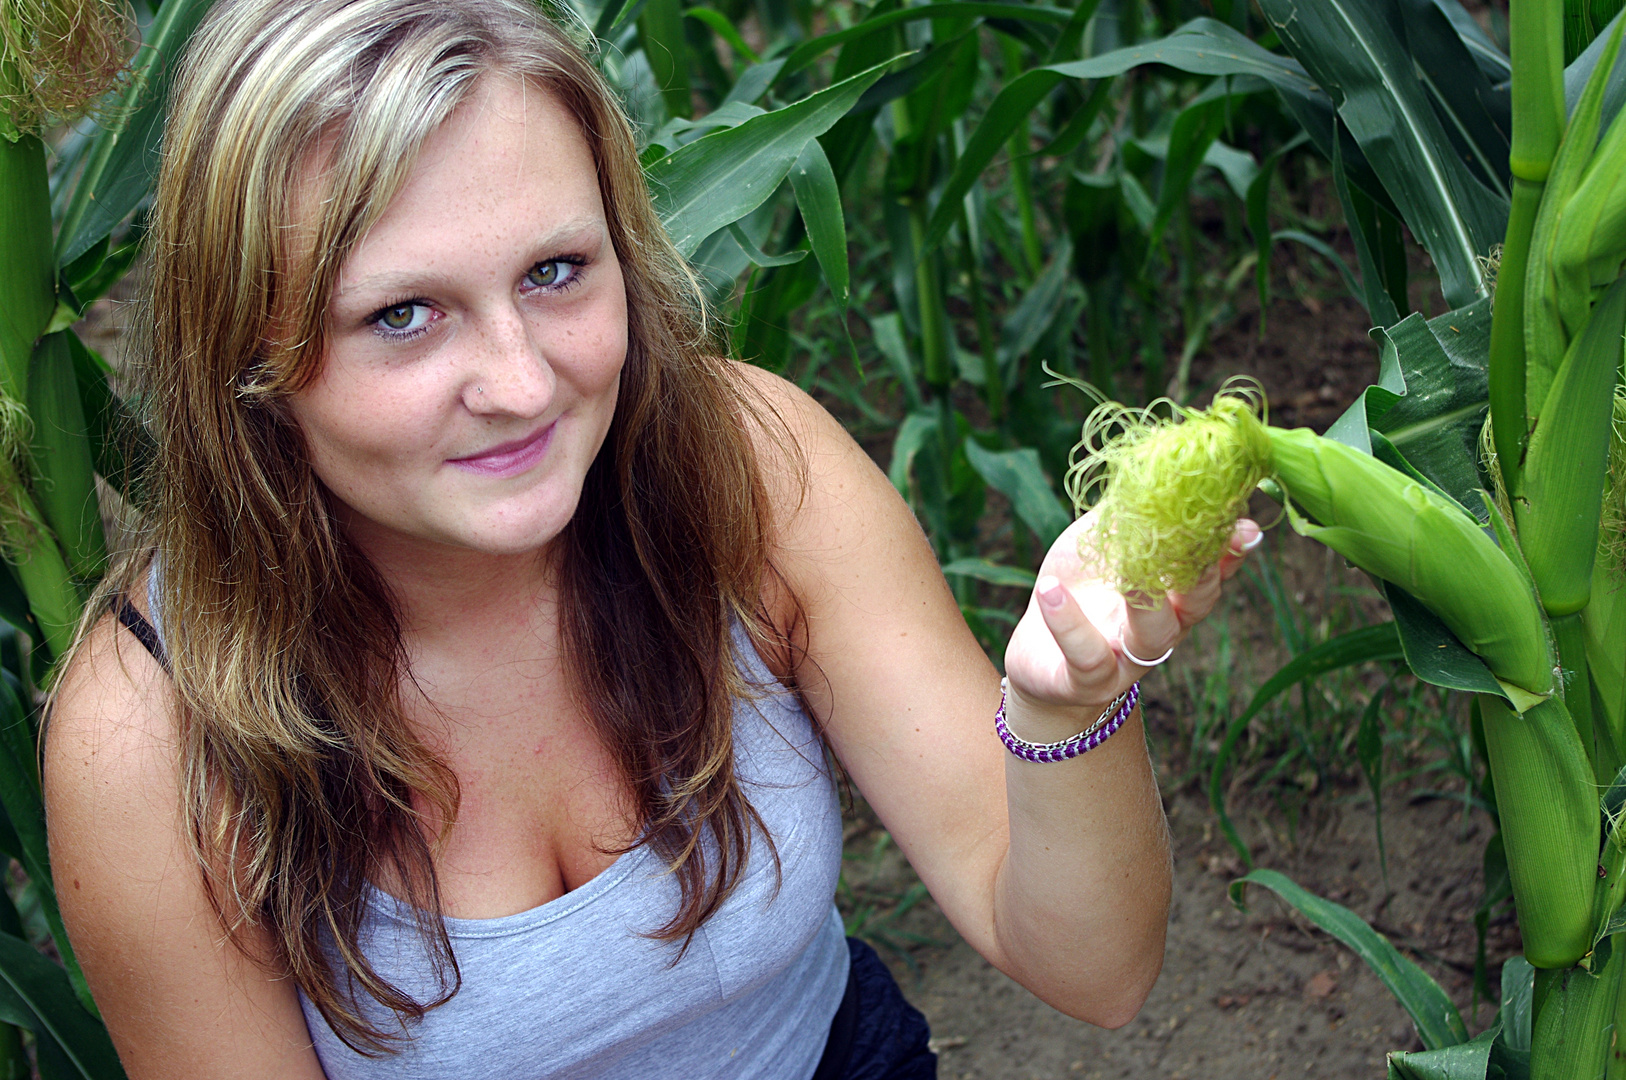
[(1353, 54), (1432, 652), (818, 197), (719, 179), (1256, 201), (726, 30), (1476, 116), (1437, 1021), (20, 796), (53, 1011), (993, 573), (1325, 250), (1430, 397), (754, 82), (1579, 71), (1518, 990), (807, 52), (917, 427), (756, 256), (1362, 213), (1370, 643), (1017, 475), (1033, 316), (123, 161)]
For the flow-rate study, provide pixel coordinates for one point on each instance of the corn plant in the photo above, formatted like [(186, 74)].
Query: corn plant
[(1480, 480)]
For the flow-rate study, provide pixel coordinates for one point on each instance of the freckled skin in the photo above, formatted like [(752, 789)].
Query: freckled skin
[(496, 357)]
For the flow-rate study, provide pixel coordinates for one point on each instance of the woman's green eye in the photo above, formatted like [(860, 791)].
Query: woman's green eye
[(543, 274), (398, 317)]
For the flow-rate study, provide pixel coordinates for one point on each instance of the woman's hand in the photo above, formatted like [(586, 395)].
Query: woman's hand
[(1074, 649)]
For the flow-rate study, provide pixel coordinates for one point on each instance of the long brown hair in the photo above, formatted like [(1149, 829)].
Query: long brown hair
[(299, 768)]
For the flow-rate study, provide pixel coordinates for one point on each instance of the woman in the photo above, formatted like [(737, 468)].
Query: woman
[(493, 624)]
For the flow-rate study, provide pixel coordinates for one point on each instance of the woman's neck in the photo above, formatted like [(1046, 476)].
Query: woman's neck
[(446, 593)]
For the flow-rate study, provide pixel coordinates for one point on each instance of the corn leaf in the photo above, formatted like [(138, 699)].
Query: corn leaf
[(20, 796), (1433, 653), (1354, 55), (1438, 1023), (818, 198), (34, 993), (916, 428), (1370, 643), (1465, 1061), (719, 179), (993, 573), (1017, 475), (1581, 69), (1201, 47), (122, 163), (1430, 398), (1476, 115), (807, 52)]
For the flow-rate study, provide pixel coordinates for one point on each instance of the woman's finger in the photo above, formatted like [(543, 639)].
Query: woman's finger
[(1247, 536), (1089, 656), (1148, 633)]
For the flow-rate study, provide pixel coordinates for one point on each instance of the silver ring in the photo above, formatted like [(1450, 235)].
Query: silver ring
[(1132, 658)]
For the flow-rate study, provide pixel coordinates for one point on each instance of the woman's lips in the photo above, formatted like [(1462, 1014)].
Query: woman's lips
[(509, 458)]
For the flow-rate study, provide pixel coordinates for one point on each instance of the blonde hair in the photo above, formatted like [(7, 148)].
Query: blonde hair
[(299, 769)]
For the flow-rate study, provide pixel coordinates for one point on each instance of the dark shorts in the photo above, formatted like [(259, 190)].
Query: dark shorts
[(876, 1034)]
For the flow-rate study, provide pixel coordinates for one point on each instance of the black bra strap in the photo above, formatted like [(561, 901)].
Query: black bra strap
[(137, 624)]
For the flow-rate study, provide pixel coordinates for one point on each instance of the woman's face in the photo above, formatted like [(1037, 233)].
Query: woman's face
[(475, 338)]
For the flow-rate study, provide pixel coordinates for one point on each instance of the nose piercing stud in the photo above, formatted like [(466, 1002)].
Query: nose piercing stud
[(479, 389)]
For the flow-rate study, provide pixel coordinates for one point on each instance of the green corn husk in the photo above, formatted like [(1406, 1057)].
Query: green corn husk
[(1572, 1033), (1559, 504), (1548, 806), (1547, 300), (1397, 529)]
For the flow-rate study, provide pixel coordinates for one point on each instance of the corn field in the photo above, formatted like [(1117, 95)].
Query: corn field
[(943, 217)]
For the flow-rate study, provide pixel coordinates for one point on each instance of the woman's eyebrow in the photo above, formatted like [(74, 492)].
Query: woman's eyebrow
[(563, 235)]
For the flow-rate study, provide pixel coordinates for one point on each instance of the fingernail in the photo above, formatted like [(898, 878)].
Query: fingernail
[(1253, 541), (1051, 594)]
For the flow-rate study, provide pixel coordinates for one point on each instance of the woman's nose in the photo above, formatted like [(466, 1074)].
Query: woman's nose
[(510, 373)]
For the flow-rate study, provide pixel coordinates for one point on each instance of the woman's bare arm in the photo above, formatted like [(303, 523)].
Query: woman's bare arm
[(1058, 874), (179, 1000)]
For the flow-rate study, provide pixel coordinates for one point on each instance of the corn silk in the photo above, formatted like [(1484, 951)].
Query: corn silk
[(1168, 484)]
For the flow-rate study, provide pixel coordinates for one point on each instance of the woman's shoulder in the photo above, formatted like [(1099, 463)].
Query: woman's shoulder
[(113, 708), (807, 458)]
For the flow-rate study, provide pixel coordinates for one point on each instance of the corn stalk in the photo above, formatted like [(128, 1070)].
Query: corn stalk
[(1545, 355)]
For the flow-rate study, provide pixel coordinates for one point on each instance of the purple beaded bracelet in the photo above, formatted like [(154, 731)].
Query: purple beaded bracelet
[(1112, 718)]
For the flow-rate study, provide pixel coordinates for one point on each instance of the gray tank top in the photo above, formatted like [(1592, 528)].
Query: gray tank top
[(572, 989)]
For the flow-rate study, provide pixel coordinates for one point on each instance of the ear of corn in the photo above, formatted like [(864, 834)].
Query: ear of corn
[(1590, 240), (1399, 530), (1560, 498), (1604, 622), (1546, 334), (1549, 813)]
